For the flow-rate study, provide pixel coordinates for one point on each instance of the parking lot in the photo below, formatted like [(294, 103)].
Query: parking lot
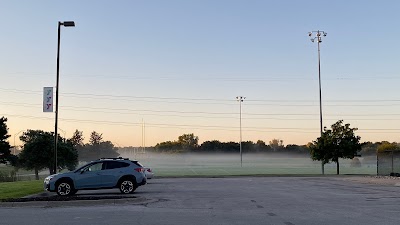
[(234, 200)]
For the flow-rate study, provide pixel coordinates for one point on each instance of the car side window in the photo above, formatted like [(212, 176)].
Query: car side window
[(94, 167), (114, 165)]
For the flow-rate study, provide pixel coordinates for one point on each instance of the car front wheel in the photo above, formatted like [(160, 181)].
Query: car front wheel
[(127, 186), (65, 188)]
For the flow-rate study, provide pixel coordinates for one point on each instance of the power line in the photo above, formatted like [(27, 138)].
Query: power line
[(125, 97), (212, 77), (162, 112), (202, 127)]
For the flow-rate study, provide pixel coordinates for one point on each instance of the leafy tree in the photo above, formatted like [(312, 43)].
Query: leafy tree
[(95, 138), (69, 155), (247, 146), (211, 146), (185, 142), (217, 146), (77, 138), (188, 141), (38, 152), (339, 142), (297, 149), (388, 147), (231, 147), (276, 144), (369, 148), (5, 152), (260, 143), (262, 147), (167, 146), (95, 149)]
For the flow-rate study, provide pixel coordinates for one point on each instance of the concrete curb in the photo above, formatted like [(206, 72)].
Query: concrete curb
[(375, 180), (73, 203)]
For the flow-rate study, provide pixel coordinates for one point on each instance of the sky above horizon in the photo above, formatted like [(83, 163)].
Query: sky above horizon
[(177, 67)]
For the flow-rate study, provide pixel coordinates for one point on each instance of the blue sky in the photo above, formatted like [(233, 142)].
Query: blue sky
[(178, 66)]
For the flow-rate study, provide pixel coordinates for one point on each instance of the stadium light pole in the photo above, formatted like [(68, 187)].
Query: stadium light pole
[(240, 99), (318, 37), (65, 24)]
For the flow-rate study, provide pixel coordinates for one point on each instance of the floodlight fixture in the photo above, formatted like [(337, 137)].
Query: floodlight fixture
[(68, 23)]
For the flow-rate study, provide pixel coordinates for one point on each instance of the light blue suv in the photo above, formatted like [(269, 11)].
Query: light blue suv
[(119, 173)]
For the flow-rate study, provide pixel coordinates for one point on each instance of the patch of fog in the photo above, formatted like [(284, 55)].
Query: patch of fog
[(259, 162)]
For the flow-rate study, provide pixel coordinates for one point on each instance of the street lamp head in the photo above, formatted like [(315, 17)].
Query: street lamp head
[(309, 34), (68, 24), (325, 34), (312, 39)]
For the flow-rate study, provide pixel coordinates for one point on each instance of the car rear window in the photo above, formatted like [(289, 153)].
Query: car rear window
[(137, 163)]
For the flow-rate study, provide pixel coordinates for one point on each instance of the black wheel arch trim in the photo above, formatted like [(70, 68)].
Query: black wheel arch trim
[(65, 179), (127, 177)]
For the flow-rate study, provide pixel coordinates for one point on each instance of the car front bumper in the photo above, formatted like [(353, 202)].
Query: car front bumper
[(48, 186)]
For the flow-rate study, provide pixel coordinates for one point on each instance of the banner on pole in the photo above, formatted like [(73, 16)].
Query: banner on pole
[(48, 99)]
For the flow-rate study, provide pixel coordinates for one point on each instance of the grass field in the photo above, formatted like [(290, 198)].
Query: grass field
[(228, 164), (20, 189), (252, 164)]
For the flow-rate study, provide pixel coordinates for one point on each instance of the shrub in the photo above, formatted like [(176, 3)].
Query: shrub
[(355, 162)]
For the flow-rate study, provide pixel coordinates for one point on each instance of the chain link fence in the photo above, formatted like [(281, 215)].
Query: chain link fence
[(388, 163)]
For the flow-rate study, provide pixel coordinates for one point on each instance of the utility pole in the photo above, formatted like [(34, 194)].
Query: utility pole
[(318, 36), (240, 100)]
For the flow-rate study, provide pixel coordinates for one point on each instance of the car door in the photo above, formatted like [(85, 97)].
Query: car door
[(89, 176), (113, 171)]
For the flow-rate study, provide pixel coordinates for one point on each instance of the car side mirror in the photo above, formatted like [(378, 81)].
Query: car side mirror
[(82, 171)]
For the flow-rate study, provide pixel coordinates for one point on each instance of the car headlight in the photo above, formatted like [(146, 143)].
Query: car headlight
[(47, 179)]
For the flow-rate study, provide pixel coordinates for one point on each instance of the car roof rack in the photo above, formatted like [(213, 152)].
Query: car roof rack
[(119, 158)]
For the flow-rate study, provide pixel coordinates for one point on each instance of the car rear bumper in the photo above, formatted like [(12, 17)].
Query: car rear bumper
[(144, 181)]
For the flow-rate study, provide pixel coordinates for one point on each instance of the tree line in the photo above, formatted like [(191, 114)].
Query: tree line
[(190, 143)]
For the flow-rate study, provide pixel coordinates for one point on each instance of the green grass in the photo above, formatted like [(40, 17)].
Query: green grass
[(20, 189)]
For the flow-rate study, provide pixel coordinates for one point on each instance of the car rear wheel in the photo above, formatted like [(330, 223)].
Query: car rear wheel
[(65, 188), (127, 186)]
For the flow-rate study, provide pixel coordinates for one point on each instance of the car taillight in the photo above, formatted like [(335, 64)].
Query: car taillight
[(139, 170)]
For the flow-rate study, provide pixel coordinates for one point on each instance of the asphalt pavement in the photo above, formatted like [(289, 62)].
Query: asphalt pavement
[(235, 200)]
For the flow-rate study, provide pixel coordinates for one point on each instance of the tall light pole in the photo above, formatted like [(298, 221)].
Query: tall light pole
[(318, 37), (65, 24), (240, 99)]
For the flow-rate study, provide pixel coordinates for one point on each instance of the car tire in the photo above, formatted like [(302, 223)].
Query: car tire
[(127, 186), (65, 188)]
